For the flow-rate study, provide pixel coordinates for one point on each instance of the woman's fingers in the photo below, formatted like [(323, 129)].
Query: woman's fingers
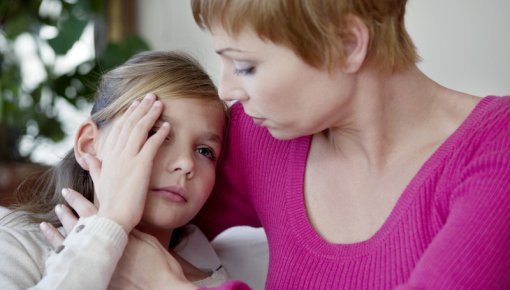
[(51, 234), (82, 206), (66, 217)]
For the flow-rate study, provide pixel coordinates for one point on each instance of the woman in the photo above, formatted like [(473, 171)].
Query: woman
[(185, 128), (364, 173)]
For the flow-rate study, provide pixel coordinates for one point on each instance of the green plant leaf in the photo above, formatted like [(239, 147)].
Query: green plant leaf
[(117, 53), (71, 29), (17, 25)]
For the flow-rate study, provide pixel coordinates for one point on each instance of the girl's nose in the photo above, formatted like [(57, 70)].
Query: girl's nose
[(184, 164)]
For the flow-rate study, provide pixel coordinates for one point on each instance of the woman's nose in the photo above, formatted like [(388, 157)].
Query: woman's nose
[(229, 88)]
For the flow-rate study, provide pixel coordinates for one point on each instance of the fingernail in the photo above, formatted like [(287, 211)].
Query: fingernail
[(44, 226), (150, 96), (65, 192), (157, 104), (58, 209), (135, 103)]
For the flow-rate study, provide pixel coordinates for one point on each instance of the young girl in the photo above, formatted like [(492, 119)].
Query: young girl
[(186, 128)]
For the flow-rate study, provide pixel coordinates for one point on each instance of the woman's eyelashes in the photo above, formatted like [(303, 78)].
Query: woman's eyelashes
[(243, 69)]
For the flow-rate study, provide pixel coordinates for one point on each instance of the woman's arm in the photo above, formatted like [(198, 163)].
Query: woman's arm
[(472, 251)]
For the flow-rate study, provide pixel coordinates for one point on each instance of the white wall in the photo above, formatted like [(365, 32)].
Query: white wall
[(169, 25), (465, 44)]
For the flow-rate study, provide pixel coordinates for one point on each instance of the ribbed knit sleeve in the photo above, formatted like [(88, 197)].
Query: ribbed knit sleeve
[(472, 250)]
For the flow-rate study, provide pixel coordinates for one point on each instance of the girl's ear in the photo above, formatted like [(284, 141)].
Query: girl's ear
[(86, 142), (355, 38)]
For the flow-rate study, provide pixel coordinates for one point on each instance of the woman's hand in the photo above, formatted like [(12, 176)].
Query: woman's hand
[(121, 178), (146, 264)]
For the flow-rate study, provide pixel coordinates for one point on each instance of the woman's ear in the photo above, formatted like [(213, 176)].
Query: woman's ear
[(355, 39), (86, 142)]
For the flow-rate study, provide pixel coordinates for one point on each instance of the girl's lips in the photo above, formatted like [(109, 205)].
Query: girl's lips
[(173, 193)]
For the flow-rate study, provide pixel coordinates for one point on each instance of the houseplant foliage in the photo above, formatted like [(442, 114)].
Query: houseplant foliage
[(31, 109)]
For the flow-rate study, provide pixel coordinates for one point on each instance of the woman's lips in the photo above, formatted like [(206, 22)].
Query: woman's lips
[(258, 121), (173, 193)]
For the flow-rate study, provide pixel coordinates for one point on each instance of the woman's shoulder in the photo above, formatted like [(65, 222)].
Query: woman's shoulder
[(489, 123)]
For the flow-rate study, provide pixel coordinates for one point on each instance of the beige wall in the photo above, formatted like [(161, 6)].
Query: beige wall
[(465, 44), (169, 24)]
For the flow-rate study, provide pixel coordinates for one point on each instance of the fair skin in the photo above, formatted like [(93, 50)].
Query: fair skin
[(183, 172), (371, 131)]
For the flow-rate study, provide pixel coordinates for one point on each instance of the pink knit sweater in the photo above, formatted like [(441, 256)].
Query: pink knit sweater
[(450, 228)]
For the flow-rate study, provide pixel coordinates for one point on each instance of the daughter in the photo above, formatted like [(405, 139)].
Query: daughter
[(188, 123)]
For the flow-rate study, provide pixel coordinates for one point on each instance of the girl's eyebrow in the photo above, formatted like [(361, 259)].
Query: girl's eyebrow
[(213, 137), (207, 136)]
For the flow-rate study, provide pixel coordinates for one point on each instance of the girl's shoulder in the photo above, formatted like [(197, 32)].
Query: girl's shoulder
[(15, 228), (23, 251)]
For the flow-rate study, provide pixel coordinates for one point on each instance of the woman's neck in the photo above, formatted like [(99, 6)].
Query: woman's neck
[(386, 113)]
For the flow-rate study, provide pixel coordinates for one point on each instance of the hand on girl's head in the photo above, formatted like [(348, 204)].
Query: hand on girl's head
[(126, 165)]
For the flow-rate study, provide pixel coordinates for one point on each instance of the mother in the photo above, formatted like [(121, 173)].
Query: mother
[(365, 173)]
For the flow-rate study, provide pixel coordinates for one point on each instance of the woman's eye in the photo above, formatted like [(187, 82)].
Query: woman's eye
[(244, 71), (207, 152)]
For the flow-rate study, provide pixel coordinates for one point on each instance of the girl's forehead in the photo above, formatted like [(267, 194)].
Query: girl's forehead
[(193, 113)]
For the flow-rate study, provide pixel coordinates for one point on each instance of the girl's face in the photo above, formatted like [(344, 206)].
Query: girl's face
[(277, 88), (184, 169)]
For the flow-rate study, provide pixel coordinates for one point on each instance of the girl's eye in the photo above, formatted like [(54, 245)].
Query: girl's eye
[(153, 131), (207, 152)]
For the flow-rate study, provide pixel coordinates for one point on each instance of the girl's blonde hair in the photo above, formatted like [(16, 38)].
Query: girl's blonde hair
[(167, 74), (311, 28)]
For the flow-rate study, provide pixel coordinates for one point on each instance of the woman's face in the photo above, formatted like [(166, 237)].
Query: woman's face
[(277, 88), (184, 169)]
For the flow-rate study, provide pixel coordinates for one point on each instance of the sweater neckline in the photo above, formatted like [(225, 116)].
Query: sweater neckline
[(305, 233)]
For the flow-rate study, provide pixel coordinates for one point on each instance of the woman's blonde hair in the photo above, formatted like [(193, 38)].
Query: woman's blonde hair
[(311, 27), (167, 74)]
